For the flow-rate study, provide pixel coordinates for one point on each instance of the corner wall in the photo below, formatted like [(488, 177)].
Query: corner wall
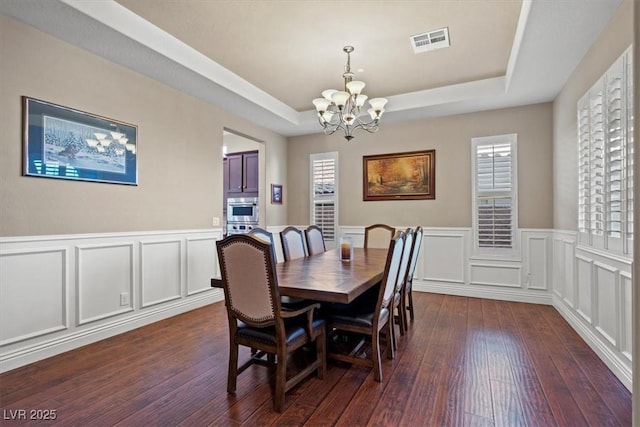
[(592, 289), (614, 39)]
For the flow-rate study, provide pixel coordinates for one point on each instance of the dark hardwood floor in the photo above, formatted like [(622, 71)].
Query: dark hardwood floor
[(464, 361)]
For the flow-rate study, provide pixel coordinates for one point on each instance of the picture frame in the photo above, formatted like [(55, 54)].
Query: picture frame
[(399, 176), (65, 143), (276, 194)]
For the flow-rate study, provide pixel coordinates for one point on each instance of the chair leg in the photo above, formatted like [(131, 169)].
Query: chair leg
[(391, 333), (375, 356), (321, 346), (391, 340), (410, 307), (232, 374), (281, 379), (403, 326), (403, 311)]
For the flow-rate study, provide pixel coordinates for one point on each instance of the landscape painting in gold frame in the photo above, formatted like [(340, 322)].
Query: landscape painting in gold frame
[(399, 176)]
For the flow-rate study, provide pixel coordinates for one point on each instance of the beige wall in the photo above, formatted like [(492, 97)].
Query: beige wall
[(614, 39), (179, 145), (451, 138)]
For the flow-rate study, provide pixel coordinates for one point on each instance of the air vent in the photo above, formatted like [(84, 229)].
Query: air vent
[(432, 40)]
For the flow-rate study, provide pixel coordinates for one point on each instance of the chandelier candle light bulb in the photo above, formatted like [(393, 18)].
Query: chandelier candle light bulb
[(341, 109)]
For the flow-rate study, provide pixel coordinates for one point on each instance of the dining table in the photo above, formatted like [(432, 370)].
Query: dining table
[(326, 277)]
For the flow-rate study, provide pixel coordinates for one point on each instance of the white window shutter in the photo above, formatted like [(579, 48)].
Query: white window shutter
[(494, 192), (584, 180), (324, 197), (605, 160)]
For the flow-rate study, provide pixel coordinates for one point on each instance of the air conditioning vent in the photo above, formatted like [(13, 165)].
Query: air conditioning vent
[(432, 40)]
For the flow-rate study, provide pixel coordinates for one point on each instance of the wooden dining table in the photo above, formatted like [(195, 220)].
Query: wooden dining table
[(324, 277)]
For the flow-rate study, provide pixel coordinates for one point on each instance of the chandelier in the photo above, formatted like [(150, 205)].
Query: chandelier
[(341, 109)]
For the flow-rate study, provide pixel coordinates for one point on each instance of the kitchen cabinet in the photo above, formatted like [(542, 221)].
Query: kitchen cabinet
[(241, 174)]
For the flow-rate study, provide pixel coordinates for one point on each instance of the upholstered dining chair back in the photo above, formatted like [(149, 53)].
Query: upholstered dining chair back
[(262, 234), (315, 240), (415, 251), (406, 256), (292, 243), (401, 281), (265, 236), (407, 299), (250, 284), (378, 236), (391, 271)]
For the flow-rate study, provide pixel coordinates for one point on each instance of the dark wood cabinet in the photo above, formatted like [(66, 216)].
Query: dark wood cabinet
[(241, 174)]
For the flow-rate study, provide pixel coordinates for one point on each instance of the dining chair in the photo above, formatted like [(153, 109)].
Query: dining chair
[(262, 234), (407, 299), (265, 236), (398, 307), (292, 243), (378, 236), (368, 317), (315, 240), (287, 301), (256, 320)]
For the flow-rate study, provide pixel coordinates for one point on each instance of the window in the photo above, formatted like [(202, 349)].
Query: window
[(494, 194), (324, 193), (605, 160)]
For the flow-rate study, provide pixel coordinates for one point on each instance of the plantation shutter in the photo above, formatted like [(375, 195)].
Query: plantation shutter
[(614, 158), (494, 176), (583, 166), (629, 146), (324, 196), (596, 159), (605, 160)]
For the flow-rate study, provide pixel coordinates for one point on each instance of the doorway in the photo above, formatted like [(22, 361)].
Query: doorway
[(242, 171)]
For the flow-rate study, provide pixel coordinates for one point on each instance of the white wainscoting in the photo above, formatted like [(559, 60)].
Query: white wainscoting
[(446, 265), (592, 291), (62, 292)]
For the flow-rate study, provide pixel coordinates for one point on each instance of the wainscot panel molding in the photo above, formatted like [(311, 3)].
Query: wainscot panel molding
[(63, 292), (590, 288), (45, 287), (103, 273), (445, 265), (592, 291), (161, 275)]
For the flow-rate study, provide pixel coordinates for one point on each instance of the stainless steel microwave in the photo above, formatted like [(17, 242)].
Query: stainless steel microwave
[(242, 210)]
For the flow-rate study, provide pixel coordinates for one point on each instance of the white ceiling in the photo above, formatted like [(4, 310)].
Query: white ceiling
[(266, 60)]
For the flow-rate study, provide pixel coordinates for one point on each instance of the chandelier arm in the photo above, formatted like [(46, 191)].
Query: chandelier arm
[(370, 129)]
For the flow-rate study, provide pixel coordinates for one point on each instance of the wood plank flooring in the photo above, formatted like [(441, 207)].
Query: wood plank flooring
[(464, 361)]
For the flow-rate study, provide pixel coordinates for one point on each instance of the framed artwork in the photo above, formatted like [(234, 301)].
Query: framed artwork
[(61, 142), (276, 194), (399, 176)]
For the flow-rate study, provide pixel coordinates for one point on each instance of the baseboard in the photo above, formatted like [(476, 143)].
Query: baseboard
[(610, 358), (488, 292), (43, 350)]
